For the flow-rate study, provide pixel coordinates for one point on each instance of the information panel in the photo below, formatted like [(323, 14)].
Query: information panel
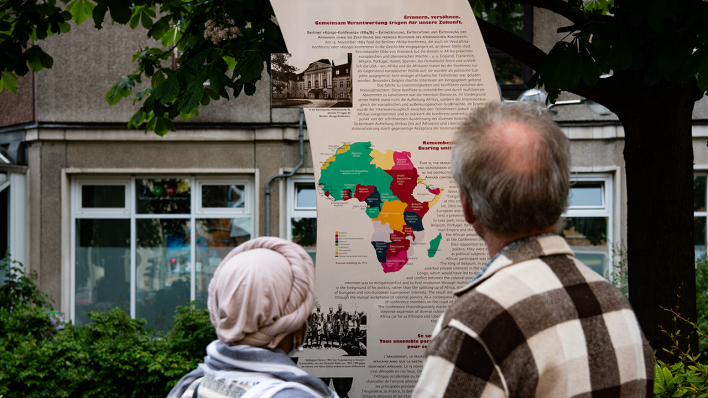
[(385, 84)]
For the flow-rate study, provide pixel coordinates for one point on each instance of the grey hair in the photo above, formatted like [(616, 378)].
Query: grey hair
[(504, 200)]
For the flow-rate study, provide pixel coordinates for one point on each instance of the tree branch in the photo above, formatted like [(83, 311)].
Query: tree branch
[(511, 44), (557, 6), (533, 57)]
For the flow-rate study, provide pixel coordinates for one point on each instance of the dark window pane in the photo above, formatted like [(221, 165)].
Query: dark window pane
[(102, 266), (4, 223), (163, 269), (699, 193), (508, 70), (587, 236), (163, 196), (699, 236), (304, 233), (586, 194), (103, 196), (305, 195), (223, 196), (214, 240)]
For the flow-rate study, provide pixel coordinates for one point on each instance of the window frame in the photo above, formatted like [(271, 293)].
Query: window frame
[(702, 214), (292, 210), (607, 210), (130, 213), (108, 212)]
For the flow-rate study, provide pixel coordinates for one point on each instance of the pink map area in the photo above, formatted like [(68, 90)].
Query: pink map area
[(394, 264), (402, 161)]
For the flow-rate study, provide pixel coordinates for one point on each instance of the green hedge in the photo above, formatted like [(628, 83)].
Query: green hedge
[(113, 356)]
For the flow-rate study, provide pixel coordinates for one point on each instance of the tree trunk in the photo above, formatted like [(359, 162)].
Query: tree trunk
[(658, 155)]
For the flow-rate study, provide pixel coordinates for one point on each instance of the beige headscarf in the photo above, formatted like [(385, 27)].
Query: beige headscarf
[(262, 291)]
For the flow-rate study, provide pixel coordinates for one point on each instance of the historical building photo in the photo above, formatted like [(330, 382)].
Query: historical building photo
[(301, 83)]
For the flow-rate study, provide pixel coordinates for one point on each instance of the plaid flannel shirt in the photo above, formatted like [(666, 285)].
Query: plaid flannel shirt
[(538, 323)]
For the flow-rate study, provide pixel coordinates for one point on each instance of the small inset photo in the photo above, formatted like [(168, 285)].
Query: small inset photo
[(302, 82), (336, 330)]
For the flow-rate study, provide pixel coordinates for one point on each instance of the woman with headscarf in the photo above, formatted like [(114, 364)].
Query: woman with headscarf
[(259, 300)]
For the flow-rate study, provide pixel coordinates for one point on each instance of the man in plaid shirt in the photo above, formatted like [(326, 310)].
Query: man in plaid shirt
[(535, 321)]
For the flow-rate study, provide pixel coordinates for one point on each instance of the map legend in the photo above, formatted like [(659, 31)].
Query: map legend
[(336, 243)]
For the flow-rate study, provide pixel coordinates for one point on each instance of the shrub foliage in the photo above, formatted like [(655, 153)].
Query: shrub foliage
[(113, 356)]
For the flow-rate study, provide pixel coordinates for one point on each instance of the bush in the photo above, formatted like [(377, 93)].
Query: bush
[(113, 356)]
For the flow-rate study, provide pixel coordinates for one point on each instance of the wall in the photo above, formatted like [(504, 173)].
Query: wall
[(53, 151)]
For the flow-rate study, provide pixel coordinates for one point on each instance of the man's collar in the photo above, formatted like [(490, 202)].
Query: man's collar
[(521, 250)]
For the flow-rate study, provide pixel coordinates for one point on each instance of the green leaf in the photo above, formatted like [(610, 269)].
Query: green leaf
[(168, 90), (141, 94), (126, 84), (230, 62), (251, 68), (249, 88), (185, 116), (213, 94), (587, 68), (120, 10), (135, 20), (157, 79), (669, 379), (137, 118), (99, 13), (112, 95), (160, 127), (146, 20), (170, 36), (80, 10), (206, 100), (38, 59), (658, 378), (9, 80), (197, 93), (680, 392)]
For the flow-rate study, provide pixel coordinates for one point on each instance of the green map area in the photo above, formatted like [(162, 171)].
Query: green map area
[(387, 182), (434, 244)]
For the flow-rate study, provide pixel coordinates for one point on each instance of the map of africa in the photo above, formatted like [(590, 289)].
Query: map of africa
[(386, 182)]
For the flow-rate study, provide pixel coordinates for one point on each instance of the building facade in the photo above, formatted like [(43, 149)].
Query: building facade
[(108, 216)]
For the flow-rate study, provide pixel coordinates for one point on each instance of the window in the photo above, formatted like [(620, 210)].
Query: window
[(325, 94), (341, 84), (324, 83), (348, 83), (309, 85), (13, 216), (151, 243), (588, 221), (699, 215), (302, 213), (336, 72)]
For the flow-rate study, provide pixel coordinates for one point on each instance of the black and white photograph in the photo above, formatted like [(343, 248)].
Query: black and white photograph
[(302, 82), (341, 385), (342, 331)]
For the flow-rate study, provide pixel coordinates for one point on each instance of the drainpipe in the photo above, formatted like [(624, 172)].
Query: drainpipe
[(292, 173)]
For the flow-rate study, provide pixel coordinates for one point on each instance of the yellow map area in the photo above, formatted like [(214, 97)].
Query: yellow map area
[(382, 160), (342, 149), (392, 213)]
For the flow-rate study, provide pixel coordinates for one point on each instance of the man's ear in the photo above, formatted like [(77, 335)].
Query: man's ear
[(467, 208)]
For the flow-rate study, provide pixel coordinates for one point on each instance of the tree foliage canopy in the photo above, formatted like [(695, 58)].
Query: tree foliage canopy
[(222, 46), (643, 43)]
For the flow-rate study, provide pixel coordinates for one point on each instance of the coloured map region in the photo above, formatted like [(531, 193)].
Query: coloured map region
[(387, 182)]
